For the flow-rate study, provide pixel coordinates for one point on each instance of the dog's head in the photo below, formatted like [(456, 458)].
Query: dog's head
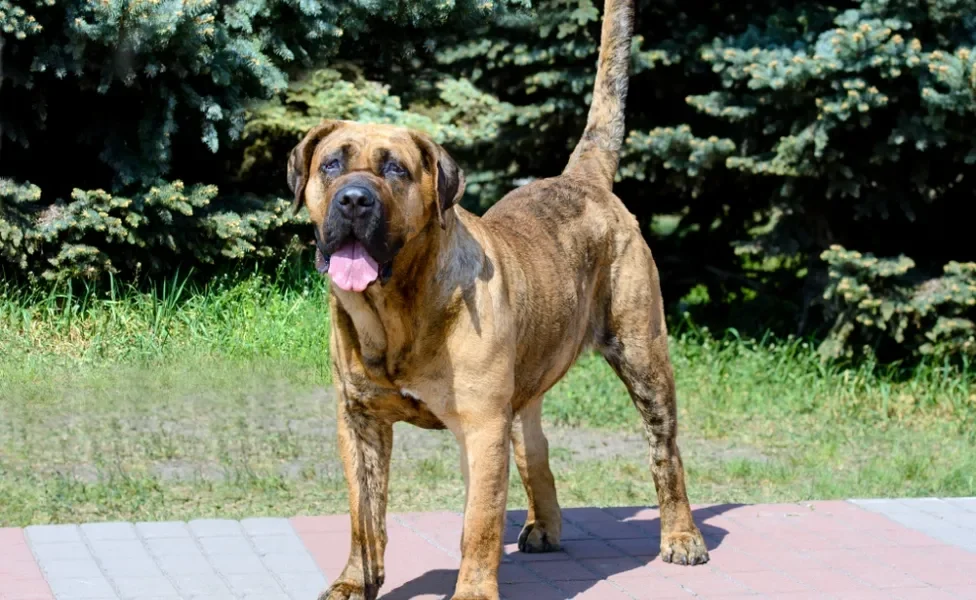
[(370, 190)]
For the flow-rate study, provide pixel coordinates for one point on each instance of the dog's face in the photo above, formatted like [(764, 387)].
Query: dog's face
[(370, 190)]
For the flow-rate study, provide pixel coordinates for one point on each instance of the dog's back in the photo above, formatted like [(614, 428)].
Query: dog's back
[(580, 201), (595, 159), (576, 228)]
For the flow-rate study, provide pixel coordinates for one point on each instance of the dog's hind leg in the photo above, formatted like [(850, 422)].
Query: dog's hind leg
[(636, 346), (543, 524), (365, 444)]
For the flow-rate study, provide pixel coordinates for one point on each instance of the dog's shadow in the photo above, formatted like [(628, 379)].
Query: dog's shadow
[(439, 583)]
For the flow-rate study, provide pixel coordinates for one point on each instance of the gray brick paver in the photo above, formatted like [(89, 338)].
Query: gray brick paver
[(943, 510), (267, 526), (200, 584), (163, 529), (284, 555), (160, 547), (117, 562), (71, 568), (67, 563), (121, 566), (109, 531), (270, 545), (215, 528), (226, 546), (253, 583), (125, 561), (45, 534), (132, 588), (115, 548), (957, 537), (236, 568), (237, 565), (81, 588), (305, 587), (967, 504), (177, 556), (63, 550), (185, 565), (910, 516), (921, 514), (281, 564), (100, 548)]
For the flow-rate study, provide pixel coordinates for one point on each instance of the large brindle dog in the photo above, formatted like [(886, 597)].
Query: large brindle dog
[(446, 320)]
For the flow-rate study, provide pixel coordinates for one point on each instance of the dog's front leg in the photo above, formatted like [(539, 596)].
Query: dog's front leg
[(484, 443), (365, 443)]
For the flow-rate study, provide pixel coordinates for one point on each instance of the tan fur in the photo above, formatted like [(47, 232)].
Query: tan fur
[(482, 316), (598, 149)]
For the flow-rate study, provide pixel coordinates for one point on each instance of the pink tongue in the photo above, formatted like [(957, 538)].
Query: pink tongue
[(352, 268)]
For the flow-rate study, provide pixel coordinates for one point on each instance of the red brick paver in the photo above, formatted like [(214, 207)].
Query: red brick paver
[(20, 577), (789, 551), (781, 551)]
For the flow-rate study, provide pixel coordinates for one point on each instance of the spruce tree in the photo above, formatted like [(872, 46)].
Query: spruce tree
[(121, 122), (801, 150), (798, 165)]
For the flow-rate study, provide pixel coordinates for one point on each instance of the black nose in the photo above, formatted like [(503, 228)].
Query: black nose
[(354, 200)]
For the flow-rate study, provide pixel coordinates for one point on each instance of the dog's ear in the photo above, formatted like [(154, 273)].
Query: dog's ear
[(299, 161), (449, 176)]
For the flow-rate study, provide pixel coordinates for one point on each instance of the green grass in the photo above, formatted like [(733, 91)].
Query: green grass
[(202, 402)]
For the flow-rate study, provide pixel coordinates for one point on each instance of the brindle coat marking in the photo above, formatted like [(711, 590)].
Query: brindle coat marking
[(480, 317)]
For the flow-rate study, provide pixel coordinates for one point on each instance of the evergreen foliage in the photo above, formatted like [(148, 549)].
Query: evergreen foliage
[(457, 115), (774, 132), (120, 122), (801, 163), (876, 301)]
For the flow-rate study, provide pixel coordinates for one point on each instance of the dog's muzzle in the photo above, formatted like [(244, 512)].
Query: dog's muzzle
[(352, 245), (355, 202)]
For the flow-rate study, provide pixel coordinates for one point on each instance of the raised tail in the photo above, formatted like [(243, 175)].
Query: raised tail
[(598, 150)]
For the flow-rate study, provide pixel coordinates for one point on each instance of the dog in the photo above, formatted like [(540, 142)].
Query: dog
[(446, 320)]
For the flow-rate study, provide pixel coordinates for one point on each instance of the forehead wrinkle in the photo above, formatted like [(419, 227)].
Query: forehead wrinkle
[(340, 152), (395, 152), (336, 143)]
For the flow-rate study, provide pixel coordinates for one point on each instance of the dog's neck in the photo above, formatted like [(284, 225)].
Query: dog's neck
[(432, 275)]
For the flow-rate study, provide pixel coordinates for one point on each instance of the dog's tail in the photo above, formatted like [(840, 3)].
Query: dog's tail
[(597, 152)]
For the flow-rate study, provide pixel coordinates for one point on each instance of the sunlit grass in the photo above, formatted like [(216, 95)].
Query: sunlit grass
[(194, 401)]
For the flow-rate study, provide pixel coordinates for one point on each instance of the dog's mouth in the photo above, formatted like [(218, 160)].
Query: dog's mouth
[(351, 267)]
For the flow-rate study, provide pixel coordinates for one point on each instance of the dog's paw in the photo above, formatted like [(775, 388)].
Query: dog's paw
[(536, 537), (347, 590), (684, 548)]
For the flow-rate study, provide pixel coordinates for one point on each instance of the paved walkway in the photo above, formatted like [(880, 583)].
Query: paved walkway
[(863, 549)]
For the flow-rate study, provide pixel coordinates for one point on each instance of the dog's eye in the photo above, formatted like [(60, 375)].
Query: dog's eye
[(332, 165), (392, 168)]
